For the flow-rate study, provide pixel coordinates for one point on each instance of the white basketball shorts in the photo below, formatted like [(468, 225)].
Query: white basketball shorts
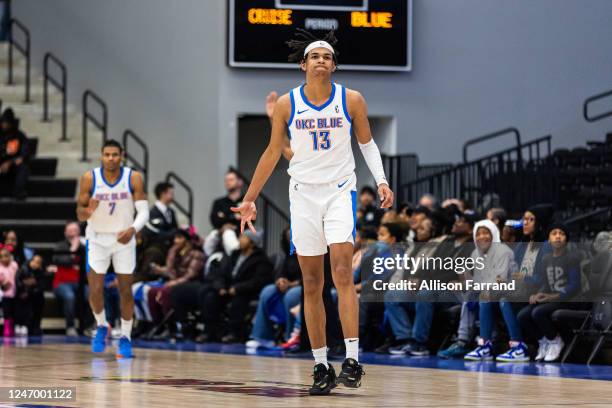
[(100, 256), (322, 214)]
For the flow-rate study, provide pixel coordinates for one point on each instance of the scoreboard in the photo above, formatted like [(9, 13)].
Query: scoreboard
[(373, 35)]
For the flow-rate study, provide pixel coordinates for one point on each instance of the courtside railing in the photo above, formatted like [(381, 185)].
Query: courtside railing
[(184, 208)]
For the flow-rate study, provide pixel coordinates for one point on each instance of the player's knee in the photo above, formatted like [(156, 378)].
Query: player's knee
[(343, 276), (313, 285)]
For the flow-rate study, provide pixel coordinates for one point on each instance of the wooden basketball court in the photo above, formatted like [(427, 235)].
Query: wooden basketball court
[(164, 378)]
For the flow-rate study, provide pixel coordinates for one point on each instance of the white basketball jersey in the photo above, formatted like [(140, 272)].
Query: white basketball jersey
[(115, 212), (320, 138)]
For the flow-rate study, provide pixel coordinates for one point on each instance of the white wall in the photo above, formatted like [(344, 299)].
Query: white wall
[(479, 65)]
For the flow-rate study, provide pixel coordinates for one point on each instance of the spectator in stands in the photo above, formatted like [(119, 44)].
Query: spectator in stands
[(498, 262), (239, 282), (410, 336), (529, 253), (418, 215), (367, 212), (561, 283), (457, 245), (184, 263), (498, 216), (66, 267), (159, 232), (21, 254), (428, 201), (390, 216), (8, 270), (371, 314), (220, 214), (30, 297), (277, 299), (14, 154)]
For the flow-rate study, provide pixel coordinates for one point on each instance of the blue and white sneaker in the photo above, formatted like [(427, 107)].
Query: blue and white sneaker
[(517, 353), (124, 348), (484, 352), (98, 343)]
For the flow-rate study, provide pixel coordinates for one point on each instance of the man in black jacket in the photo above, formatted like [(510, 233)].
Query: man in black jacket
[(220, 213), (245, 272), (14, 153), (159, 232)]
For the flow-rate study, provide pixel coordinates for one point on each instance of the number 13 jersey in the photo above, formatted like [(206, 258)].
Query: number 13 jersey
[(320, 138)]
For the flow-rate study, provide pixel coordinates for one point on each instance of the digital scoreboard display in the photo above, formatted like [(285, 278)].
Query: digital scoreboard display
[(373, 35)]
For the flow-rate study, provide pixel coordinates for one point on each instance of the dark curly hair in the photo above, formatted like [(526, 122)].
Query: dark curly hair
[(304, 37)]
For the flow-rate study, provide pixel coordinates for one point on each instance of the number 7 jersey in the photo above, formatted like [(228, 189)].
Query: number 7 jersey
[(320, 138), (115, 212)]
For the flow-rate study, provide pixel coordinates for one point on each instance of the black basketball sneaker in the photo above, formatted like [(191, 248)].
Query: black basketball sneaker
[(324, 380), (351, 373)]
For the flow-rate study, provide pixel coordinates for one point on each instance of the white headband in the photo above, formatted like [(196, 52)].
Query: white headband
[(318, 44)]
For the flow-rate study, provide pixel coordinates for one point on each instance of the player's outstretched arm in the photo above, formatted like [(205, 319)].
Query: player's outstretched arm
[(267, 162), (358, 110), (142, 208), (85, 204)]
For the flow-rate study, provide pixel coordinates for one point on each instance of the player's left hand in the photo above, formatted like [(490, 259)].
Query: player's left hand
[(386, 196), (126, 235), (232, 291)]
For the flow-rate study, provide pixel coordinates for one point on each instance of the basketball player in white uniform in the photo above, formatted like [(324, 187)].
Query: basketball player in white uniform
[(318, 118), (107, 198)]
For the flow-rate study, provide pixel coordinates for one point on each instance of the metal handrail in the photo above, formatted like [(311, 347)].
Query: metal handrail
[(101, 125), (489, 137), (24, 49), (585, 107), (188, 212), (478, 177), (61, 86), (142, 167)]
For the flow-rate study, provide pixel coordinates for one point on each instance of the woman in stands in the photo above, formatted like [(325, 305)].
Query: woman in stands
[(21, 254)]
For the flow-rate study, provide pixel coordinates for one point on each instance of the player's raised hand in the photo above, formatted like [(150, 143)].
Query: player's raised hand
[(271, 103), (386, 196), (248, 214)]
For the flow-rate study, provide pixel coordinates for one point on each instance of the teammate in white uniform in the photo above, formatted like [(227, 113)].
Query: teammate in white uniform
[(107, 198), (318, 118)]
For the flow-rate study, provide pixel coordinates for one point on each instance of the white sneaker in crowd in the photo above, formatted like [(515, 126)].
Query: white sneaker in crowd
[(554, 349), (542, 349)]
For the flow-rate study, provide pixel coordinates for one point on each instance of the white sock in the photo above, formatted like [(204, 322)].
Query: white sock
[(126, 328), (101, 318), (320, 355), (352, 348)]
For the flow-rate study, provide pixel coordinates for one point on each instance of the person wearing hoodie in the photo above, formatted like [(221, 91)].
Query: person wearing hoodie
[(14, 154), (561, 283), (246, 271), (498, 261)]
